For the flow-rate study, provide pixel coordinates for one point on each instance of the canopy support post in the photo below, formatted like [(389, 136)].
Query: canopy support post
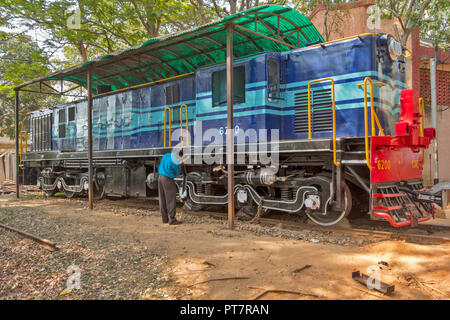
[(90, 172), (230, 127), (16, 119)]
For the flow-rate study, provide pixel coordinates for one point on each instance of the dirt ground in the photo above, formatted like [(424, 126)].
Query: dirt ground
[(130, 254)]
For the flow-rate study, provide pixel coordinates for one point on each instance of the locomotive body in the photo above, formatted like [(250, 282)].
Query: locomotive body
[(331, 112)]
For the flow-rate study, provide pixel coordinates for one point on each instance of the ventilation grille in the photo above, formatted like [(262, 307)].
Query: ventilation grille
[(42, 133), (321, 111)]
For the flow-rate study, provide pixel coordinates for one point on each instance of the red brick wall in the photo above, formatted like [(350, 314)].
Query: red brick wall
[(442, 88)]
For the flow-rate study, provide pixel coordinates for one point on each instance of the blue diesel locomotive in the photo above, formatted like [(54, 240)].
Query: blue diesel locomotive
[(319, 105)]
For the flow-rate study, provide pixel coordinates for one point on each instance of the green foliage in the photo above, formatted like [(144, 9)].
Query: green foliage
[(413, 13), (21, 59), (435, 25)]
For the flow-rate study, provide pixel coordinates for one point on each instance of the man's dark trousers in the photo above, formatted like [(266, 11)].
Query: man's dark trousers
[(167, 191)]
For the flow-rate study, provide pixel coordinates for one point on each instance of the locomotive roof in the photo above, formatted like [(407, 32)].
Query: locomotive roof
[(265, 28)]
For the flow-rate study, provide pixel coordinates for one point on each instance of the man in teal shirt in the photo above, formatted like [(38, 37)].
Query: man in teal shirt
[(169, 168)]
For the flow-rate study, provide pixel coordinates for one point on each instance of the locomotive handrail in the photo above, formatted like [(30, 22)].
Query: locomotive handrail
[(359, 36), (373, 117), (422, 126), (336, 163), (187, 123), (409, 52), (170, 126), (422, 112), (346, 38), (21, 138)]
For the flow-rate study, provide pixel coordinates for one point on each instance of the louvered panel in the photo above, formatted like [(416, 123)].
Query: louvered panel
[(42, 133), (301, 112), (321, 111)]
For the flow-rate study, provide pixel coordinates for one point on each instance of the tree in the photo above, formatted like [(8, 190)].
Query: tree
[(409, 13), (20, 59), (435, 25), (333, 18), (104, 25)]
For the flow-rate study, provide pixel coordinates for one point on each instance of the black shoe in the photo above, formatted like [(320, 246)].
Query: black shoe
[(173, 222), (165, 222)]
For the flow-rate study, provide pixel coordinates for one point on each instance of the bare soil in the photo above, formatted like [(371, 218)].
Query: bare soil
[(127, 253)]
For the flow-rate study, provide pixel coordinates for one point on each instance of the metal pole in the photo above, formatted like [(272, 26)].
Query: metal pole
[(91, 172), (433, 118), (230, 127), (16, 119), (338, 186)]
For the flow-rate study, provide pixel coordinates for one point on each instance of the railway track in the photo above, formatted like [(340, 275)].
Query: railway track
[(360, 228), (352, 231), (363, 228)]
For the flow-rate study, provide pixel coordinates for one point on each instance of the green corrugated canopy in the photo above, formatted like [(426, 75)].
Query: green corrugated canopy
[(265, 28)]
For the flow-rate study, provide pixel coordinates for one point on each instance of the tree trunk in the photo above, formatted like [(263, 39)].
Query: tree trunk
[(82, 49), (233, 6), (325, 22)]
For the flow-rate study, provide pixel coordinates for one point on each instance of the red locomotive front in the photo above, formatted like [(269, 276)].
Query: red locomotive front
[(396, 163)]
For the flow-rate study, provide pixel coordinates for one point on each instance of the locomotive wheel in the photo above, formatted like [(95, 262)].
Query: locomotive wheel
[(192, 206), (99, 191), (251, 211), (70, 194), (333, 216), (188, 203), (49, 194)]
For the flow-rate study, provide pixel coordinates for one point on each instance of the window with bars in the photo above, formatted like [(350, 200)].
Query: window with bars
[(321, 111)]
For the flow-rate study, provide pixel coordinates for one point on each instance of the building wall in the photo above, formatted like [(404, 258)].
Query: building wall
[(354, 19), (442, 120), (6, 144), (7, 166)]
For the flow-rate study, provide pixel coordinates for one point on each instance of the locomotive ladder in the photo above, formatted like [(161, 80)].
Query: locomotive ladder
[(335, 188), (397, 207), (23, 135), (170, 126), (422, 126), (181, 123), (336, 163), (373, 116), (183, 110)]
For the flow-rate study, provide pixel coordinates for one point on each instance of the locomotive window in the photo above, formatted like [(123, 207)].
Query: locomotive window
[(219, 86), (71, 114), (176, 114), (62, 125), (172, 94), (274, 79), (62, 115), (62, 130)]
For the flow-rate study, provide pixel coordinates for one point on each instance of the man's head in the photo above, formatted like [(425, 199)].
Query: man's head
[(178, 152)]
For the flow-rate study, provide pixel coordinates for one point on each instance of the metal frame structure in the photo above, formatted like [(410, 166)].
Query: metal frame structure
[(142, 66)]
